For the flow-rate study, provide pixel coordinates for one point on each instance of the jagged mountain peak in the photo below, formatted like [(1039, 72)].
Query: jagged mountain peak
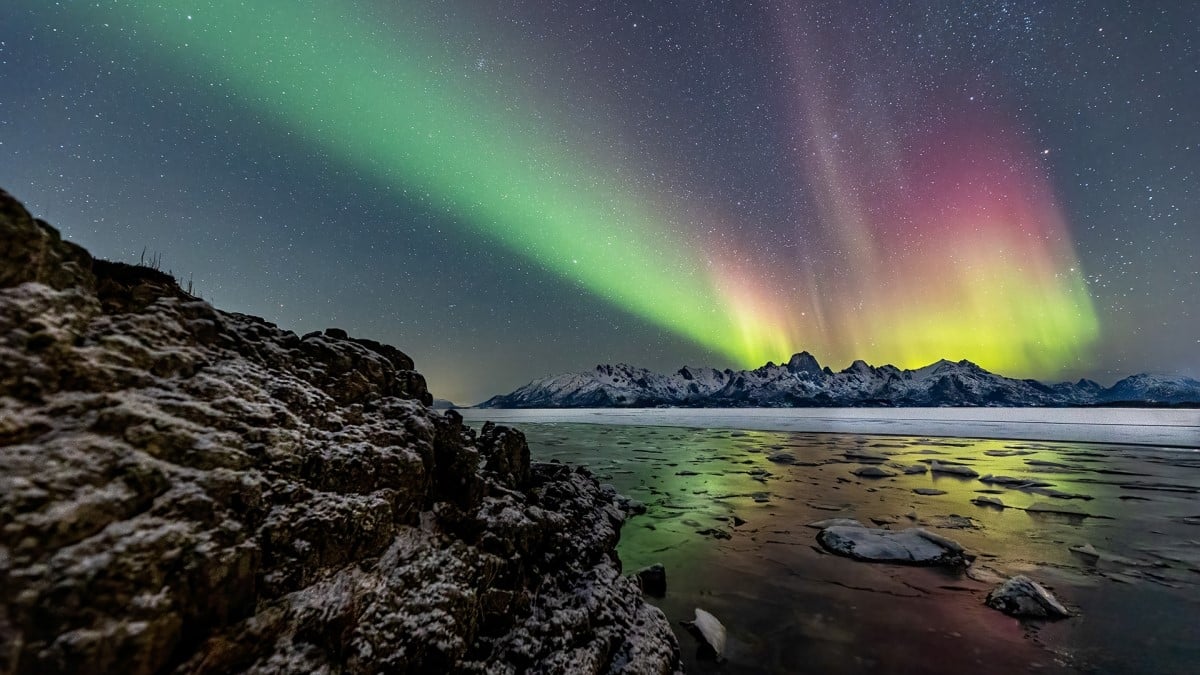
[(802, 381), (804, 363), (1152, 388), (946, 366), (859, 367)]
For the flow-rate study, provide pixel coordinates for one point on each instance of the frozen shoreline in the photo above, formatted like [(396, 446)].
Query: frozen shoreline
[(1133, 426), (1109, 529)]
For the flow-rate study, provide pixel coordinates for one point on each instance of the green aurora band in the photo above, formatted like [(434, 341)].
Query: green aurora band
[(316, 70), (383, 95)]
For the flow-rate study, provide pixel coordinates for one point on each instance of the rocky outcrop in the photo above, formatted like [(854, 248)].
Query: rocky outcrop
[(189, 490)]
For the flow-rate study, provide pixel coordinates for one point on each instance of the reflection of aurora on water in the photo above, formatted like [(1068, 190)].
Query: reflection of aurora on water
[(787, 603), (910, 247)]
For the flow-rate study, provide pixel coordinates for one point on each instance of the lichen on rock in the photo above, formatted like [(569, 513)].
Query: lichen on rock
[(189, 490)]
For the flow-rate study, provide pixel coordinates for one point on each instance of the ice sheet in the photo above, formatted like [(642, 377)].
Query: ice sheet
[(1139, 426)]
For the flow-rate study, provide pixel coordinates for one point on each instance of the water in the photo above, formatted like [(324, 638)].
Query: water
[(790, 607)]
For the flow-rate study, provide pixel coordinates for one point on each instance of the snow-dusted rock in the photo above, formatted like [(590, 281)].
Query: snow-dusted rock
[(1023, 597), (184, 489), (710, 630), (1087, 550), (912, 546)]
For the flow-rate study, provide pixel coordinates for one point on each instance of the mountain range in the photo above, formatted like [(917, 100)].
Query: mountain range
[(803, 382)]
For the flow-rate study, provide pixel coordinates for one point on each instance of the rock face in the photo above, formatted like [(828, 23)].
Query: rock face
[(1023, 597), (913, 546), (802, 382), (194, 491)]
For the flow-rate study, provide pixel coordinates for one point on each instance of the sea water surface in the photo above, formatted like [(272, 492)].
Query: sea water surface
[(727, 514)]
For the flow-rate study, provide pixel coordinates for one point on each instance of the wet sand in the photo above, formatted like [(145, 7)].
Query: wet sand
[(791, 607)]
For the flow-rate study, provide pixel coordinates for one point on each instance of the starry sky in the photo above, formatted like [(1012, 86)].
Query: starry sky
[(515, 188)]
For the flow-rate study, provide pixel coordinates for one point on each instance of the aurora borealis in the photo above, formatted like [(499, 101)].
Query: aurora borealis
[(510, 189)]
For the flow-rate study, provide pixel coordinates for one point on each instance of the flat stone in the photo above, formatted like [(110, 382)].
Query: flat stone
[(983, 574), (1011, 481), (953, 469), (872, 472), (1062, 510), (835, 522), (912, 546), (1059, 494), (953, 522), (992, 502)]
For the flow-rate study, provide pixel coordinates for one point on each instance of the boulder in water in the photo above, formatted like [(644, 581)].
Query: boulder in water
[(1023, 597), (710, 631), (653, 580)]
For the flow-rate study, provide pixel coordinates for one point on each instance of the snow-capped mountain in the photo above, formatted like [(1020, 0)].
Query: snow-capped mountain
[(1156, 389), (803, 382)]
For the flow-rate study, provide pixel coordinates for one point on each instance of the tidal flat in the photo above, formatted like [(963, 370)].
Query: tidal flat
[(1112, 530)]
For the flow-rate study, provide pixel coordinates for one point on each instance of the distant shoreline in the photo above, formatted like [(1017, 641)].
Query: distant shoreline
[(1155, 427)]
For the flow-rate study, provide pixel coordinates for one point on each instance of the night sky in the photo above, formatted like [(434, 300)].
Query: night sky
[(512, 189)]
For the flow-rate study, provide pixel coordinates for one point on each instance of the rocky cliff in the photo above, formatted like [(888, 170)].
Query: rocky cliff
[(189, 490)]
